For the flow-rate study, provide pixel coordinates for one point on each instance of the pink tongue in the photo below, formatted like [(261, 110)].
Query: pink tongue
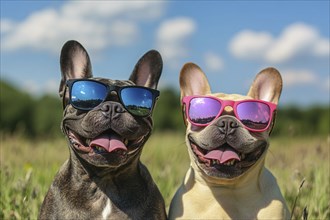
[(222, 156), (109, 142)]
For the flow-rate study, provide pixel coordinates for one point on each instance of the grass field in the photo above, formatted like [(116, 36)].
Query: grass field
[(28, 168)]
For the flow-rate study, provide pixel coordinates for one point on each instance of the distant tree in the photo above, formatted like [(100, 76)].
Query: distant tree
[(16, 110), (37, 118), (167, 114), (47, 116), (294, 121)]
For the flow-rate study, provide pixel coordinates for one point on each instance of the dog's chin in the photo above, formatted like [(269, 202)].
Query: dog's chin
[(235, 165), (108, 149)]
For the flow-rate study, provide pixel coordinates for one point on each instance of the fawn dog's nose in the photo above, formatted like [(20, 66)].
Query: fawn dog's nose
[(227, 124)]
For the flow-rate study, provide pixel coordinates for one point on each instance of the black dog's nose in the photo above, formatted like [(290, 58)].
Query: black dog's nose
[(227, 124), (110, 108)]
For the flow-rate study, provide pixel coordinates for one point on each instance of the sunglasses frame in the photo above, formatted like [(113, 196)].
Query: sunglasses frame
[(155, 94), (224, 103)]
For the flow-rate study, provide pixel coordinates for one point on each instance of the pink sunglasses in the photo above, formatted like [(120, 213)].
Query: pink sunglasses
[(255, 115)]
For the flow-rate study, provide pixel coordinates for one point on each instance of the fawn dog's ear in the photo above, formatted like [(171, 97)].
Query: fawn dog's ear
[(267, 86), (148, 69), (193, 81), (75, 63)]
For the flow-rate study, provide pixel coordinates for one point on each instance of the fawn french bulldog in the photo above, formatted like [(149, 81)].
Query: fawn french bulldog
[(227, 139), (106, 123)]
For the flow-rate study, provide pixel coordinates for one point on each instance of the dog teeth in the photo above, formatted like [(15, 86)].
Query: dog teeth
[(99, 149), (230, 163), (72, 141), (242, 156), (126, 142)]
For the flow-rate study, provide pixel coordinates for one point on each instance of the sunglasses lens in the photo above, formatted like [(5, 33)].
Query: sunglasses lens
[(87, 95), (254, 115), (138, 101), (203, 110)]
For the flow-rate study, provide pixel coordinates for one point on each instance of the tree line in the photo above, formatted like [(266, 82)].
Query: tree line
[(22, 114)]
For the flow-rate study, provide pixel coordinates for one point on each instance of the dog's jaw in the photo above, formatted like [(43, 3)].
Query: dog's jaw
[(119, 151), (225, 161)]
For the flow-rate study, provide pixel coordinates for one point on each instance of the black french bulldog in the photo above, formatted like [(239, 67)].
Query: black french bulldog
[(106, 122)]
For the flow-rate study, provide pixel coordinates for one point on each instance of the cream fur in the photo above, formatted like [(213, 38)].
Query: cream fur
[(254, 194)]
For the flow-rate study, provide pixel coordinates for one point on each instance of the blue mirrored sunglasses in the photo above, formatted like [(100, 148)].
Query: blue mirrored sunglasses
[(86, 94)]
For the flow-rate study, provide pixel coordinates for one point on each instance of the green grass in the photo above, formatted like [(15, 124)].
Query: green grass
[(28, 168), (296, 159)]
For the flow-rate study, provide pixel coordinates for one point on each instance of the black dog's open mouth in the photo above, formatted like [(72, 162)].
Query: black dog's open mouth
[(104, 144), (225, 161)]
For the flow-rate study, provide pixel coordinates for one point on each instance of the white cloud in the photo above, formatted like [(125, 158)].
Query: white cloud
[(6, 26), (296, 77), (322, 47), (141, 10), (31, 87), (172, 37), (292, 77), (296, 40), (213, 62), (95, 24), (326, 84), (250, 45), (49, 87)]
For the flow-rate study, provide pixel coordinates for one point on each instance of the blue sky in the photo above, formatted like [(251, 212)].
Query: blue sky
[(230, 40)]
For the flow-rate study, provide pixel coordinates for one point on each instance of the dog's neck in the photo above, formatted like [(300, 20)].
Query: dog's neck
[(83, 185)]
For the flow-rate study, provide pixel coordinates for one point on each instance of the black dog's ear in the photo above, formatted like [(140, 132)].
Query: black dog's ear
[(75, 63), (267, 86), (148, 69)]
